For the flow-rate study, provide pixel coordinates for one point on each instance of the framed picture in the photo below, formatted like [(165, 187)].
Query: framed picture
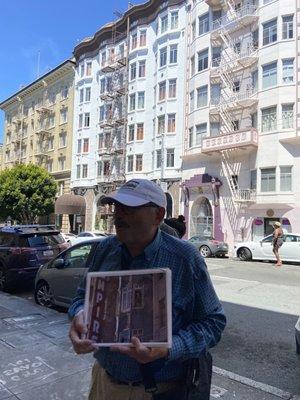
[(123, 304)]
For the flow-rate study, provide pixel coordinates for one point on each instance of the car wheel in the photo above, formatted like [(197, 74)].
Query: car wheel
[(205, 251), (43, 295), (244, 254)]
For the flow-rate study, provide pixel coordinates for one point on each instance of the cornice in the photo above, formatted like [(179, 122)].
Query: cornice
[(139, 14)]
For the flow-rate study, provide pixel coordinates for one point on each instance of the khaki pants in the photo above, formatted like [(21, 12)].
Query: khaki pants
[(104, 388)]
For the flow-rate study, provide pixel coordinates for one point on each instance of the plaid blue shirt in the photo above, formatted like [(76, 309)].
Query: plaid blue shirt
[(197, 315)]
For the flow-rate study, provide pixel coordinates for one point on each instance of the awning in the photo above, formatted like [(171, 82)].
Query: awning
[(275, 206), (70, 204)]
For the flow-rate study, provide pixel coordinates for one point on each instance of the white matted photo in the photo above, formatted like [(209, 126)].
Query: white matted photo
[(123, 304)]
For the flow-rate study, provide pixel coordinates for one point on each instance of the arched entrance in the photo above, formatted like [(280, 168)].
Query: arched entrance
[(104, 217), (75, 207), (201, 218)]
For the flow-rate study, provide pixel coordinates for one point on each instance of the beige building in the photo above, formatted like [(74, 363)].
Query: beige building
[(1, 156), (38, 128)]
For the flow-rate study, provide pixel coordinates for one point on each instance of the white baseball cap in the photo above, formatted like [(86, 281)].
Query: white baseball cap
[(137, 192)]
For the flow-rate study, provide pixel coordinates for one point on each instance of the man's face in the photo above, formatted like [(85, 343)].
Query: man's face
[(136, 225)]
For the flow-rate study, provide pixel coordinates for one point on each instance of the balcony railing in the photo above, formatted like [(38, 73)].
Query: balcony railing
[(231, 22), (242, 138), (228, 63), (245, 195)]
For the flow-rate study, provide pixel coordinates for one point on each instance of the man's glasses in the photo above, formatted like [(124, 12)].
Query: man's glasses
[(130, 210)]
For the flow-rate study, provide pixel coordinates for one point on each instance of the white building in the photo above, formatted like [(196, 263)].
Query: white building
[(224, 142)]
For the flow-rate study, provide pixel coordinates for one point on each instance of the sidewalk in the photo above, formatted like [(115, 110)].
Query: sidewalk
[(37, 361)]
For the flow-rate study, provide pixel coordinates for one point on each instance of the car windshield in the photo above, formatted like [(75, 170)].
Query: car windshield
[(44, 239)]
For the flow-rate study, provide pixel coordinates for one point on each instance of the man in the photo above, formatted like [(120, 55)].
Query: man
[(197, 316)]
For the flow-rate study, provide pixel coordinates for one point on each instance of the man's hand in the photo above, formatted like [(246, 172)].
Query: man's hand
[(77, 329), (141, 353)]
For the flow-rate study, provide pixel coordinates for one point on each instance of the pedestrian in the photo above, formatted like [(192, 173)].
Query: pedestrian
[(197, 315), (178, 224), (277, 241)]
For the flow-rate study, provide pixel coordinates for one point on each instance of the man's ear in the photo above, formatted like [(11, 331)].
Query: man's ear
[(160, 213)]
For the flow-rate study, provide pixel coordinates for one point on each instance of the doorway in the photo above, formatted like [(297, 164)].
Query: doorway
[(268, 225)]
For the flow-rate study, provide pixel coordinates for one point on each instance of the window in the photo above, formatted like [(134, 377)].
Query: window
[(106, 168), (234, 182), (140, 131), (139, 162), (133, 71), (172, 88), (161, 124), (132, 102), (173, 54), (142, 69), (170, 158), (86, 120), (171, 122), (235, 125), (133, 41), (163, 57), (191, 137), (288, 71), (254, 120), (78, 146), (236, 86), (254, 80), (131, 133), (63, 115), (81, 70), (287, 116), (202, 95), (101, 113), (143, 38), (285, 179), (192, 65), (130, 163), (88, 69), (269, 77), (202, 60), (162, 90), (62, 139), (270, 32), (141, 100), (164, 24), (158, 158), (192, 101), (103, 58), (64, 92), (193, 30), (102, 86), (269, 119), (81, 94), (203, 24), (174, 20), (201, 131), (253, 179), (287, 27), (85, 145), (51, 121), (62, 163), (84, 170), (50, 165), (99, 168), (88, 94), (268, 180), (78, 170)]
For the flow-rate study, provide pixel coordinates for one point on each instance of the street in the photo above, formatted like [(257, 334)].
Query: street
[(256, 357)]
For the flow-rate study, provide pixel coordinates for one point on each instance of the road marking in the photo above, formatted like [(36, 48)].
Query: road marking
[(216, 392), (255, 384)]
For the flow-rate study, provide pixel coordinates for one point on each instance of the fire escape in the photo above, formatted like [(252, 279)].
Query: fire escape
[(114, 71), (42, 130), (235, 54)]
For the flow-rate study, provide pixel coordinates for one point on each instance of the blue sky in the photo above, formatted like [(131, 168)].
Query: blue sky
[(51, 27)]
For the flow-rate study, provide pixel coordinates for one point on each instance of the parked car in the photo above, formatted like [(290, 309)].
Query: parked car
[(68, 236), (86, 235), (262, 250), (297, 336), (24, 248), (208, 246), (56, 281)]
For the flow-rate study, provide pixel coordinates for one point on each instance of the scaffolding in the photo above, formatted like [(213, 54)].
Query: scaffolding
[(113, 125)]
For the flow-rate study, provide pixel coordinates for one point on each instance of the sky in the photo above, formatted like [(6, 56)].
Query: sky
[(51, 28)]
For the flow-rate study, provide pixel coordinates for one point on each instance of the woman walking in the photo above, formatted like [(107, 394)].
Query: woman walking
[(277, 241)]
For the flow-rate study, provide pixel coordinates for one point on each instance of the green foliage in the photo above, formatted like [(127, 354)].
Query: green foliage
[(26, 192)]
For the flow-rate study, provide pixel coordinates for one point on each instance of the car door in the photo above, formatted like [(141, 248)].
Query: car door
[(66, 278), (290, 250), (266, 247)]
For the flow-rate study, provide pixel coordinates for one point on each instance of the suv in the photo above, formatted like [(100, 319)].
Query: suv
[(24, 248)]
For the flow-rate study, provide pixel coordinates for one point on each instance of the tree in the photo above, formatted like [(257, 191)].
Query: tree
[(26, 192)]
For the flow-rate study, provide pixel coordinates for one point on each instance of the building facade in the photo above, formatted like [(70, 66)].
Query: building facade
[(39, 125), (128, 119), (1, 156)]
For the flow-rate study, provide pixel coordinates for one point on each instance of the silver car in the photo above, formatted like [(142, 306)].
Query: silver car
[(208, 246), (56, 282)]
